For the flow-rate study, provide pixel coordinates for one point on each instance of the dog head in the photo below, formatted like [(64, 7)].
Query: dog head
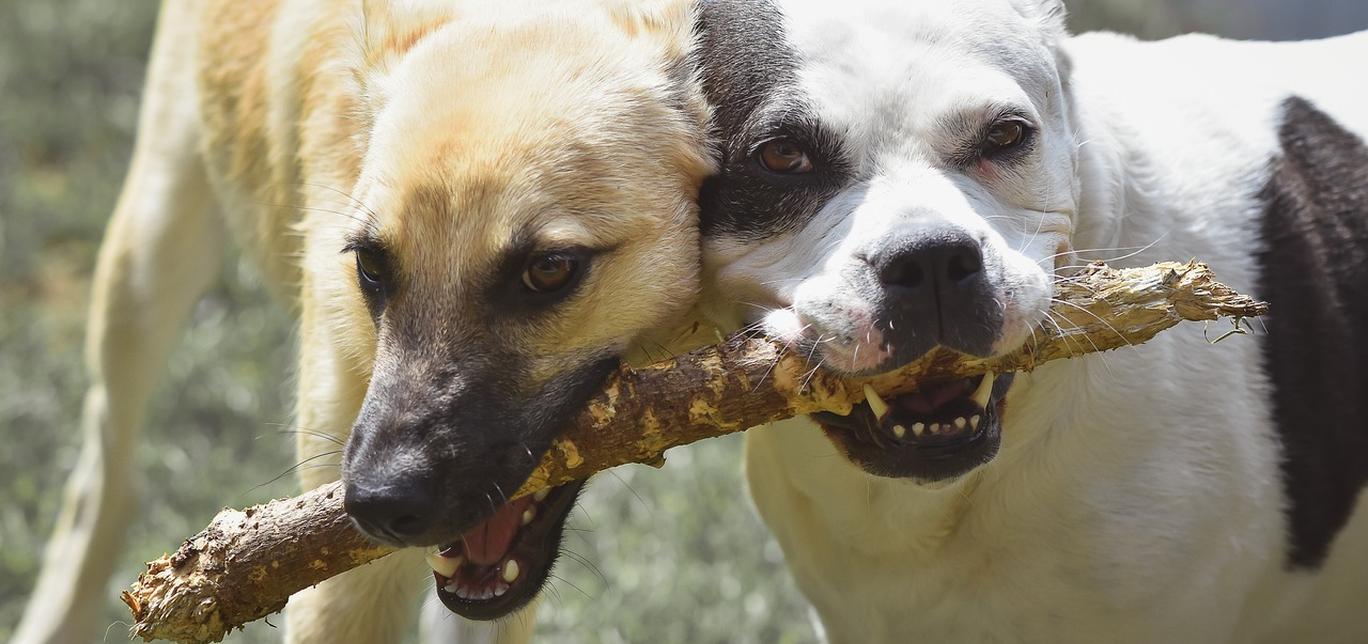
[(525, 212), (897, 176)]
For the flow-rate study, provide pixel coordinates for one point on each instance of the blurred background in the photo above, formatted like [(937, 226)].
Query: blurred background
[(672, 556)]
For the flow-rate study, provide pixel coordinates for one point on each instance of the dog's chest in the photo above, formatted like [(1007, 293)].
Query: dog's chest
[(1053, 544)]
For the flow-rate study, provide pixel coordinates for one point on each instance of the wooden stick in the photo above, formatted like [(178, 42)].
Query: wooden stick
[(247, 563)]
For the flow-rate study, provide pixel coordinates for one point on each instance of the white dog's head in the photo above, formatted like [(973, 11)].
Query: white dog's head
[(897, 175)]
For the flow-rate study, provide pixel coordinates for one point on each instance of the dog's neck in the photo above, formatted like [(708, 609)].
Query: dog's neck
[(1119, 217)]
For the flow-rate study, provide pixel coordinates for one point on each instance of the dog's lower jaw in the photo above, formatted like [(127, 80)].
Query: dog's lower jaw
[(938, 434), (483, 581)]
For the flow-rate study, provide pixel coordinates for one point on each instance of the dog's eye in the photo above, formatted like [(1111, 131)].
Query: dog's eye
[(783, 156), (370, 268), (550, 272), (1004, 136)]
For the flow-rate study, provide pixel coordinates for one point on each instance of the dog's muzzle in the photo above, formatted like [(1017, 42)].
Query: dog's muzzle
[(937, 433), (500, 564)]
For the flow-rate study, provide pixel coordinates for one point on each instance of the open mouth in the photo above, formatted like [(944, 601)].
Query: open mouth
[(500, 564), (939, 432)]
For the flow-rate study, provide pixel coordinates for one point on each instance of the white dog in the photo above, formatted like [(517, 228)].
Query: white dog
[(901, 174)]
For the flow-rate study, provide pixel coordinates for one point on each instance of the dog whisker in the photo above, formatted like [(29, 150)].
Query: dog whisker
[(584, 561), (570, 584), (627, 485), (292, 469)]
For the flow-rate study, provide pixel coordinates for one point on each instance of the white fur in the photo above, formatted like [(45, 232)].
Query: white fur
[(1137, 495)]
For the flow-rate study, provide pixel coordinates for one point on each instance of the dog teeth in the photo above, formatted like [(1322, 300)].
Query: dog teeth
[(528, 515), (444, 566), (974, 421), (935, 428), (960, 422), (500, 589), (899, 431), (542, 494), (918, 428), (510, 570), (985, 389), (875, 403)]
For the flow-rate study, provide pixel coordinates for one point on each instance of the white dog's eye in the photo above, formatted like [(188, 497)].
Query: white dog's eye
[(1003, 136), (784, 156)]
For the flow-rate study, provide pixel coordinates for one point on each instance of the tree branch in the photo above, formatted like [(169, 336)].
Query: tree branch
[(247, 563)]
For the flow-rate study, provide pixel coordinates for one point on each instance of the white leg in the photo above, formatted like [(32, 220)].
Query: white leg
[(160, 252)]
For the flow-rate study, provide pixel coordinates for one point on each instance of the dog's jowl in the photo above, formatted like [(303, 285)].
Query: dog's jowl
[(899, 176)]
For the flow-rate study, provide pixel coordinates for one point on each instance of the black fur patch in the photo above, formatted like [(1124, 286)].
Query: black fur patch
[(1315, 276), (749, 73)]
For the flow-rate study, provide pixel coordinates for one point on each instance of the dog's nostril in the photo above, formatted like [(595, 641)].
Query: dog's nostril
[(908, 274), (393, 512), (963, 265), (408, 525)]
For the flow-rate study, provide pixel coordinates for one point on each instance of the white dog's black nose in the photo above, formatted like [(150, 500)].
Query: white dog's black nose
[(943, 263), (934, 290), (398, 512)]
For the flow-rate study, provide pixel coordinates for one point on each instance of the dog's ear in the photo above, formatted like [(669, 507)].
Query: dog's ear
[(382, 32), (669, 22), (388, 28), (1050, 15), (1051, 20)]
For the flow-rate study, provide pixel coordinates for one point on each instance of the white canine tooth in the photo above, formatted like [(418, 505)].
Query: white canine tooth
[(452, 588), (444, 566), (500, 589), (974, 420), (899, 431), (510, 570), (918, 428), (542, 494), (529, 514), (960, 422), (985, 389), (875, 402)]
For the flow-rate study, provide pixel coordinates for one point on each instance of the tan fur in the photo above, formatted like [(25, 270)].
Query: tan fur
[(445, 127)]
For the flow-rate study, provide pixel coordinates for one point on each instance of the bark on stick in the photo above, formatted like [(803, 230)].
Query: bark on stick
[(247, 563)]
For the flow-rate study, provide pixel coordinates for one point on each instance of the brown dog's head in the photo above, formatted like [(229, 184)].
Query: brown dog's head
[(525, 213)]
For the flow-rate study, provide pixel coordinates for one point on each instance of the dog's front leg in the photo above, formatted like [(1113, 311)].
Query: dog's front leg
[(160, 253), (377, 602)]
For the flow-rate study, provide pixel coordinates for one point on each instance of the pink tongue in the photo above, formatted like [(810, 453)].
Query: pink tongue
[(931, 399), (487, 543)]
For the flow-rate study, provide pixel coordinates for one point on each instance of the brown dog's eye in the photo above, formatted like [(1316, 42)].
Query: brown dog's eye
[(1004, 135), (783, 156), (369, 267), (550, 273)]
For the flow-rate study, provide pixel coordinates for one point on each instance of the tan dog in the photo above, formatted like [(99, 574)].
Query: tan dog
[(476, 205)]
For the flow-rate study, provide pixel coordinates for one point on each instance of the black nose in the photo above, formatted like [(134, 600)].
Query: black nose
[(935, 291), (396, 512), (943, 262)]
